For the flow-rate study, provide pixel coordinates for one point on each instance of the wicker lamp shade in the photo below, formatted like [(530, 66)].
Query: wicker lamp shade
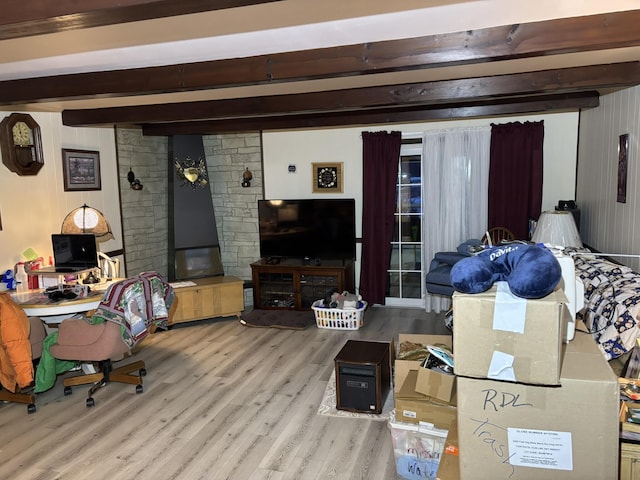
[(85, 219)]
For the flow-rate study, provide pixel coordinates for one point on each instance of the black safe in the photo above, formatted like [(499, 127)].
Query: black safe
[(363, 376)]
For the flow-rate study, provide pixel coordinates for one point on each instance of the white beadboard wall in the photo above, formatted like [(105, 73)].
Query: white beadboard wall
[(33, 207), (606, 225)]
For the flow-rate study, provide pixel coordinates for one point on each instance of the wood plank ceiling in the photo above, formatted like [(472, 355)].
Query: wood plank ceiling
[(482, 72)]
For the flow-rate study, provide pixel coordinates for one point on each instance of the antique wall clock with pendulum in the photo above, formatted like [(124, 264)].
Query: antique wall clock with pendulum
[(21, 144)]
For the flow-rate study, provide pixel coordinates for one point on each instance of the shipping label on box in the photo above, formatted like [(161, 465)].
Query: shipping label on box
[(520, 432), (503, 337), (401, 366)]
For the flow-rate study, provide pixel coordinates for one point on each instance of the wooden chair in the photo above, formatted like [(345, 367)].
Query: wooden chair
[(496, 235)]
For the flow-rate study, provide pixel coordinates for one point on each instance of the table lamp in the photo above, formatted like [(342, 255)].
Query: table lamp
[(85, 219), (557, 228)]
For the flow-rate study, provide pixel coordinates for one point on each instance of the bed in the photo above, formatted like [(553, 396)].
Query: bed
[(612, 303)]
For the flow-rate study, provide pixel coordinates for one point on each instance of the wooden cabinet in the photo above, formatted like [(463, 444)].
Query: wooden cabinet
[(293, 285), (629, 461), (209, 298)]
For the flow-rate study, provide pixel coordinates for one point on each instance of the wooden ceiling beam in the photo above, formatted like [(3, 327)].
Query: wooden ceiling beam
[(22, 18), (528, 105), (567, 80), (560, 36)]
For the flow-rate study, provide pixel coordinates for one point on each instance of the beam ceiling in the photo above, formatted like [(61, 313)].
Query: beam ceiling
[(484, 72)]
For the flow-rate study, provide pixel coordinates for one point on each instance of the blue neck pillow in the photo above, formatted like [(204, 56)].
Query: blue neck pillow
[(531, 271)]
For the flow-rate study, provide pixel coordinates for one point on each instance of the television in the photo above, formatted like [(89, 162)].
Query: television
[(318, 229)]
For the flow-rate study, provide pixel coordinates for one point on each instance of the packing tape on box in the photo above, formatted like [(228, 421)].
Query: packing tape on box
[(509, 312), (503, 366)]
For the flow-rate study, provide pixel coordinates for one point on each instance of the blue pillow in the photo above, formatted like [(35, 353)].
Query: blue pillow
[(531, 271)]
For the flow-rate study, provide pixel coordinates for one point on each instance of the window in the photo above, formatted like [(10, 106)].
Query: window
[(405, 266)]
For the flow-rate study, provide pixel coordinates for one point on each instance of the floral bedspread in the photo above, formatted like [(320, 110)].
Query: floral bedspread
[(612, 303)]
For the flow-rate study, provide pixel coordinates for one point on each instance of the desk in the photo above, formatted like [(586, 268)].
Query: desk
[(36, 304)]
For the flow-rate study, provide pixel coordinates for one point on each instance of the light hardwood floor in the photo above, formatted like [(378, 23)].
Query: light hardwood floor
[(220, 401)]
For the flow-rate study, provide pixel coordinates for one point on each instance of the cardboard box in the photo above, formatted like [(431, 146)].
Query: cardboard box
[(414, 407), (403, 367), (449, 468), (436, 384), (503, 337), (521, 432)]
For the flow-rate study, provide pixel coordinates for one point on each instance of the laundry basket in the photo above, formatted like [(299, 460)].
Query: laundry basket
[(338, 319)]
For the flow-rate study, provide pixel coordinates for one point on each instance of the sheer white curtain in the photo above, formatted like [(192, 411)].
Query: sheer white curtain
[(456, 178)]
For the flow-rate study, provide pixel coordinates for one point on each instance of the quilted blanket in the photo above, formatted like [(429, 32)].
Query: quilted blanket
[(136, 304), (612, 303)]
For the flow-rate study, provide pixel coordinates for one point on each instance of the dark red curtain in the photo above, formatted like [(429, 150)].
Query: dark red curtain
[(515, 176), (380, 156)]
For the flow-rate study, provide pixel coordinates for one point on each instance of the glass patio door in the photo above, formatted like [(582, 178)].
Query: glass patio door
[(405, 275)]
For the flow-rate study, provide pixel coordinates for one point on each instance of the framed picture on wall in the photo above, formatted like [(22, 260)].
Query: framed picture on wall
[(623, 158), (327, 177), (81, 170)]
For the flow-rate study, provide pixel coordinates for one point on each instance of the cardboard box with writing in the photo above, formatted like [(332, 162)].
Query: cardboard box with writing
[(414, 407), (403, 367), (503, 337), (528, 432)]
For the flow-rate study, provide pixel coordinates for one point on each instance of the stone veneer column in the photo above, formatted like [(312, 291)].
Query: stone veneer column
[(144, 212), (236, 207)]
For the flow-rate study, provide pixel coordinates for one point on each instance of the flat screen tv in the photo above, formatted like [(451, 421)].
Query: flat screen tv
[(309, 228)]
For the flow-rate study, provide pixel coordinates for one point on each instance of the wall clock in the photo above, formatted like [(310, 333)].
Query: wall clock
[(327, 177), (21, 144)]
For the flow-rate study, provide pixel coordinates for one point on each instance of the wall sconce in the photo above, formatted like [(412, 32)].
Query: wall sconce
[(133, 181), (195, 174), (247, 176)]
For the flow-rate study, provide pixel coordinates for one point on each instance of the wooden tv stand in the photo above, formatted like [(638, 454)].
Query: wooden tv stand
[(294, 285), (210, 297)]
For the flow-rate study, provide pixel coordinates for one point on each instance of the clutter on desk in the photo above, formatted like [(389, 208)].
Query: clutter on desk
[(8, 280), (90, 279), (22, 281), (31, 266), (66, 291)]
